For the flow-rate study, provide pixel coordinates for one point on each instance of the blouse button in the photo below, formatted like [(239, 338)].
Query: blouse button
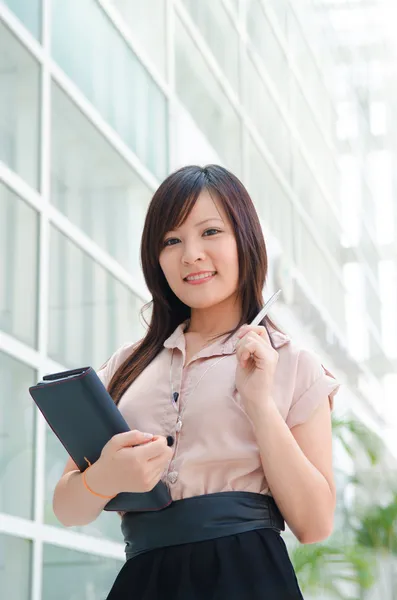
[(178, 425), (172, 477)]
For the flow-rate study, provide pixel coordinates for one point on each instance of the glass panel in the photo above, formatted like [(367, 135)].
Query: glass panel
[(267, 46), (19, 108), (273, 204), (322, 279), (106, 70), (106, 525), (72, 575), (91, 313), (205, 99), (15, 569), (281, 10), (310, 74), (315, 204), (19, 235), (94, 187), (266, 116), (319, 153), (147, 23), (29, 13), (17, 418), (215, 26)]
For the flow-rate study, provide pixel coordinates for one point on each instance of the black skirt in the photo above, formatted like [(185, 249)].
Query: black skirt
[(248, 566)]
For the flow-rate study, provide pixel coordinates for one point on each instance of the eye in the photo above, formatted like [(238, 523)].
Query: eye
[(172, 241), (216, 230), (166, 242)]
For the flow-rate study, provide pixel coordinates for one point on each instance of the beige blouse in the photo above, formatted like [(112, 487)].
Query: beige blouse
[(215, 449)]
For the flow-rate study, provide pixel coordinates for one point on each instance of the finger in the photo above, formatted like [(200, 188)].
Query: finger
[(258, 329), (160, 461), (131, 438), (155, 448), (248, 337), (245, 352)]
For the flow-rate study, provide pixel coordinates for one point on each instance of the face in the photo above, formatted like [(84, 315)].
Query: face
[(205, 245)]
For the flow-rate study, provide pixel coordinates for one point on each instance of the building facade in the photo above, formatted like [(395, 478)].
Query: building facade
[(99, 101)]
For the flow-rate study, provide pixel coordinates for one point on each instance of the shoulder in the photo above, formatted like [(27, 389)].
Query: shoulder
[(107, 370), (310, 382)]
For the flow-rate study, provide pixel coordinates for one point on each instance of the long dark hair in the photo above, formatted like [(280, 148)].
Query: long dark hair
[(169, 208)]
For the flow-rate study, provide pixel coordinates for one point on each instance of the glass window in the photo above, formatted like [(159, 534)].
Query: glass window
[(107, 525), (267, 46), (29, 13), (281, 10), (91, 313), (106, 70), (19, 108), (310, 74), (15, 569), (273, 204), (319, 274), (266, 116), (147, 22), (94, 187), (72, 575), (205, 100), (315, 205), (215, 26), (17, 418), (319, 153), (19, 235)]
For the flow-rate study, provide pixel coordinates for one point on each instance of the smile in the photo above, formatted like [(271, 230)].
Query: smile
[(202, 278)]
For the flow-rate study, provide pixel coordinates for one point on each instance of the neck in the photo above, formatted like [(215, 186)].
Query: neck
[(214, 321)]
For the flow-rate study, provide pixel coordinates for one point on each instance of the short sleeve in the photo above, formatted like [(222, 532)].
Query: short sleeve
[(314, 383)]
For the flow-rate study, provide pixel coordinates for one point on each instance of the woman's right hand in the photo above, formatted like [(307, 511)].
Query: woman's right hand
[(129, 462)]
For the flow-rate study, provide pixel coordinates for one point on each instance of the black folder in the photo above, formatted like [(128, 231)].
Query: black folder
[(83, 416)]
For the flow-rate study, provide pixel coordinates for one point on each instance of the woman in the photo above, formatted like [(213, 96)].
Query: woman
[(246, 411)]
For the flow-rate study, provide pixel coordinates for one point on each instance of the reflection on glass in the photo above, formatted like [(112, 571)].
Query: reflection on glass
[(29, 13), (72, 575), (267, 46), (215, 26), (147, 21), (94, 187), (15, 571), (91, 313), (273, 204), (19, 108), (17, 418), (312, 199), (317, 271), (19, 233), (106, 525), (264, 112), (319, 153), (206, 101), (103, 66)]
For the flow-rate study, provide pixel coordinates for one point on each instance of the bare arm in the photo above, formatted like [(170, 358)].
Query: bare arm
[(298, 468), (72, 503), (130, 462)]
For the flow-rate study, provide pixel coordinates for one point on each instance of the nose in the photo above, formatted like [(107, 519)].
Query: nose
[(192, 252)]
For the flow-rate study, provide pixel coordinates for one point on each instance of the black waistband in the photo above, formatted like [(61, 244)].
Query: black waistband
[(199, 518)]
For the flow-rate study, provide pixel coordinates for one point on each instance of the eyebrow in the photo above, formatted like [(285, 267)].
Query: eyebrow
[(210, 219)]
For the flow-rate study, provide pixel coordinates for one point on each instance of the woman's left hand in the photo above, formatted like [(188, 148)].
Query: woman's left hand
[(256, 364)]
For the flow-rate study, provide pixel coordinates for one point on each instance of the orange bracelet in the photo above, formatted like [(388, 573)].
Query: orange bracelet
[(87, 486)]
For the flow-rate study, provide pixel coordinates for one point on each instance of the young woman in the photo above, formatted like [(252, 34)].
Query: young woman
[(247, 413)]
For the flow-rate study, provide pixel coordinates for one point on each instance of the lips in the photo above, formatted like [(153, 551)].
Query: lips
[(201, 279), (199, 276)]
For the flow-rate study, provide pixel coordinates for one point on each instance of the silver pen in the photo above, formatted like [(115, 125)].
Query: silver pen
[(260, 316)]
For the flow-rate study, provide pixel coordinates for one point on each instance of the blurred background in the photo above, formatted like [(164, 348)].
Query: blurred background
[(99, 101)]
